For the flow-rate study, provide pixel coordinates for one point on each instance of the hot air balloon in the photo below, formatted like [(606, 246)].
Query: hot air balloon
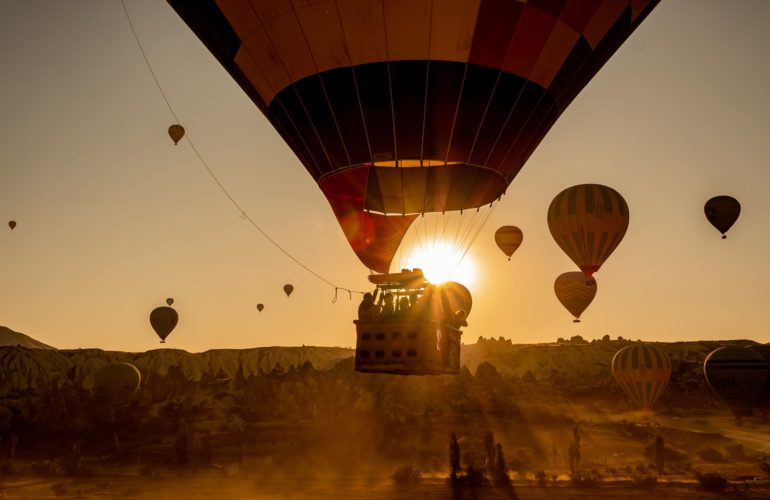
[(508, 238), (764, 399), (163, 320), (12, 224), (260, 307), (117, 381), (170, 301), (642, 371), (588, 221), (575, 292), (457, 296), (287, 289), (738, 376), (722, 212), (400, 108), (176, 132)]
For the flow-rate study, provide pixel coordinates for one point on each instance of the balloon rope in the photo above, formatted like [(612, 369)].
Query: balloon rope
[(224, 190)]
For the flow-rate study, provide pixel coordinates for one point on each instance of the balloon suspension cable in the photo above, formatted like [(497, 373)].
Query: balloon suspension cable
[(213, 176)]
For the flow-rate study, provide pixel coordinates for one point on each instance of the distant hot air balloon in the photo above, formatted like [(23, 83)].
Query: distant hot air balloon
[(163, 320), (642, 371), (575, 292), (176, 132), (722, 212), (117, 381), (738, 376), (398, 108), (260, 307), (170, 301), (508, 238), (588, 221), (764, 399), (12, 224), (287, 289)]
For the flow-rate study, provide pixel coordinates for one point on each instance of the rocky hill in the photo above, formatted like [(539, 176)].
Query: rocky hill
[(10, 338)]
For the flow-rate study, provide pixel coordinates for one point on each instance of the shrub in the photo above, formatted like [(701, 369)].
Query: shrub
[(585, 479), (405, 475), (711, 481), (764, 465), (709, 454), (645, 482)]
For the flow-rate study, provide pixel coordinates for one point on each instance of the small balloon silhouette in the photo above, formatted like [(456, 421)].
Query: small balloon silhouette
[(176, 132), (260, 307), (170, 301), (12, 224), (288, 289)]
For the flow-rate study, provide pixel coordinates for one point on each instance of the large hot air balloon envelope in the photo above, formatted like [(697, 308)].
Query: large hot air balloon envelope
[(764, 399), (508, 239), (163, 321), (642, 371), (403, 107), (117, 381), (12, 224), (575, 292), (722, 212), (588, 221), (288, 289), (176, 132), (738, 376)]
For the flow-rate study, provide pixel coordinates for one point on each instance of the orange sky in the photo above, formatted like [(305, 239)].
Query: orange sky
[(113, 218)]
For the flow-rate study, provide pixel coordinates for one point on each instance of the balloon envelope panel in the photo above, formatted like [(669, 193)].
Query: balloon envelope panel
[(575, 291), (643, 372), (588, 221), (738, 376), (419, 106), (118, 381)]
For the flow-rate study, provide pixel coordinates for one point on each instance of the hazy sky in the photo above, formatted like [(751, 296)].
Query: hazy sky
[(112, 218)]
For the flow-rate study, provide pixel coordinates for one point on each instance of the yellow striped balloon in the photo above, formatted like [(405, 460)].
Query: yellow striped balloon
[(508, 238), (642, 371), (588, 221), (575, 292)]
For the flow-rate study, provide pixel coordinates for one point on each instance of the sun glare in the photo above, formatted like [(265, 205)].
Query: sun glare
[(441, 262)]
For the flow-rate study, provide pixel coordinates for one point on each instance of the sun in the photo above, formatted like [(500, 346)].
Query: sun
[(441, 261)]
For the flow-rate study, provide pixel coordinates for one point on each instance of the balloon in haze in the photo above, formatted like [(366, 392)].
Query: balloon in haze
[(118, 381), (738, 376), (260, 307), (575, 292), (163, 320), (722, 212), (401, 108), (12, 224), (287, 289), (764, 399), (588, 221), (643, 372), (176, 132), (170, 301), (508, 239)]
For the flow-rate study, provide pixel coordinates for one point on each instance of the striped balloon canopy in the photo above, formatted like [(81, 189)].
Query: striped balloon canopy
[(401, 107), (508, 239), (575, 292), (588, 221), (642, 371), (738, 376)]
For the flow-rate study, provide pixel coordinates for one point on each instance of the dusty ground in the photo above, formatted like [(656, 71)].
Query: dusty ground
[(216, 486)]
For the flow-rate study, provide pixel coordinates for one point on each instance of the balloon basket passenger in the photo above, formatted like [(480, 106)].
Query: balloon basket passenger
[(408, 326)]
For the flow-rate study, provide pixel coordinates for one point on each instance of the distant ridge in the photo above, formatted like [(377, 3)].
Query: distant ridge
[(10, 338)]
